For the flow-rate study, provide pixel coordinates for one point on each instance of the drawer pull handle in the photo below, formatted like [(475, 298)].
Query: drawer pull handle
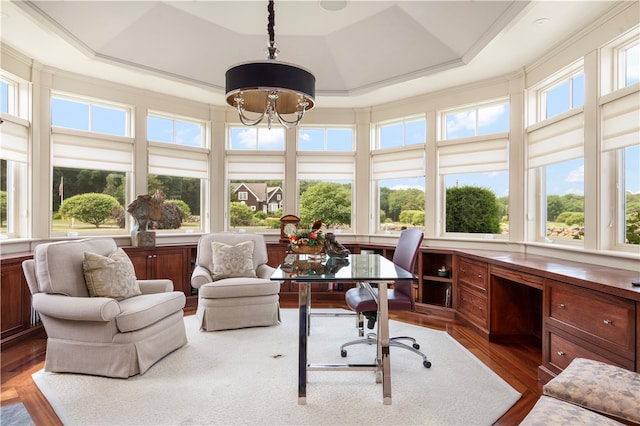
[(561, 306), (608, 322), (480, 276), (560, 353)]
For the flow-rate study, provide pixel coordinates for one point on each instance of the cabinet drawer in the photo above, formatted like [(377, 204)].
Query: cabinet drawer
[(606, 317), (474, 273), (563, 351), (473, 304)]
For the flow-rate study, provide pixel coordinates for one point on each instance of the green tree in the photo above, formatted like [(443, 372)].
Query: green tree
[(472, 209), (241, 214), (384, 203), (555, 206), (632, 202), (3, 207), (184, 207), (633, 227), (412, 217), (115, 187), (90, 208), (326, 201), (571, 218), (404, 199)]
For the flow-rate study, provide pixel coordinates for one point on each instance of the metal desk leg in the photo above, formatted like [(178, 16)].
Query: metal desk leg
[(383, 343), (303, 307)]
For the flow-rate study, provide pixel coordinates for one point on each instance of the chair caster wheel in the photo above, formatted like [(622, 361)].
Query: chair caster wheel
[(343, 353), (416, 346), (427, 364)]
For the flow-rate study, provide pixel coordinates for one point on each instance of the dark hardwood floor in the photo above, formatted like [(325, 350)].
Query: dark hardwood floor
[(516, 363)]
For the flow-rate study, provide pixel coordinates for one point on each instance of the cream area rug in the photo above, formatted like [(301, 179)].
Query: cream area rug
[(249, 377)]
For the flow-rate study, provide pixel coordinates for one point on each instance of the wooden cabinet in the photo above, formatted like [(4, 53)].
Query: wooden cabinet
[(586, 323), (169, 262), (15, 304), (472, 295)]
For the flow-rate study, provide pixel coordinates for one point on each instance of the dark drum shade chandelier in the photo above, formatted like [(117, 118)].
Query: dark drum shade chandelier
[(270, 88)]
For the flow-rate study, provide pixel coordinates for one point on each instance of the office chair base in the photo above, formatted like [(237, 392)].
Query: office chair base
[(372, 339)]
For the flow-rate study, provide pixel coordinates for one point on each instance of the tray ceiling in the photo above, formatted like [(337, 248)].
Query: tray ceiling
[(368, 52)]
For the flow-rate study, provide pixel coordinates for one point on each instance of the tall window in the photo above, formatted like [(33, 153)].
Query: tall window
[(179, 168), (473, 164), (326, 173), (399, 183), (398, 174), (255, 175), (92, 164), (556, 155), (619, 104), (14, 148)]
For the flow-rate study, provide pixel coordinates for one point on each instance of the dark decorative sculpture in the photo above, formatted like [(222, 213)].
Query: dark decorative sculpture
[(146, 210), (333, 248)]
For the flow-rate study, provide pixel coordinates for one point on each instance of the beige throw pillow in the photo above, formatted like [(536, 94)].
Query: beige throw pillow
[(110, 276), (232, 261)]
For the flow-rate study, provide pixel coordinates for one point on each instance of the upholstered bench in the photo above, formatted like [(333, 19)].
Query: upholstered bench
[(551, 411), (600, 387), (589, 392)]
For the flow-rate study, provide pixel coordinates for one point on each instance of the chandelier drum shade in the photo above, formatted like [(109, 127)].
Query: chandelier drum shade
[(254, 82), (270, 88)]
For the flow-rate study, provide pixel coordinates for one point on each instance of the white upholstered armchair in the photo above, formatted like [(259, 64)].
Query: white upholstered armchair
[(118, 336), (233, 282)]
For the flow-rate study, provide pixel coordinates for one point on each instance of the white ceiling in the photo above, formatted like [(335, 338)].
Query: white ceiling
[(368, 53)]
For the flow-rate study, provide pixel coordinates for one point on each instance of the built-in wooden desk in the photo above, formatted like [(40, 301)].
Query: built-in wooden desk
[(575, 309)]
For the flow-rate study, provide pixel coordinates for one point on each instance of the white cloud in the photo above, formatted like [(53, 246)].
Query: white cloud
[(576, 175), (247, 137), (270, 138), (461, 120), (490, 115), (396, 187)]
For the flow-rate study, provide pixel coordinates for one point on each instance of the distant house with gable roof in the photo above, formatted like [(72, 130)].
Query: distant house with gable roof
[(258, 196)]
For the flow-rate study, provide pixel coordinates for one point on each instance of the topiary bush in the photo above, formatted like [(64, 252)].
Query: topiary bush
[(472, 209), (90, 208)]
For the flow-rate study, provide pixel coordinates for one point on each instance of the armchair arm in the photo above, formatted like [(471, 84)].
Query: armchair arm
[(155, 286), (200, 277), (265, 271), (76, 308)]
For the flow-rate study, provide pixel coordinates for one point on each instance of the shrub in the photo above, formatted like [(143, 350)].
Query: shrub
[(472, 209), (90, 208), (182, 205), (241, 214), (412, 217), (272, 222)]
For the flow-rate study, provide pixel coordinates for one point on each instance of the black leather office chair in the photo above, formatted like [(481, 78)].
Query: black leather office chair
[(400, 297)]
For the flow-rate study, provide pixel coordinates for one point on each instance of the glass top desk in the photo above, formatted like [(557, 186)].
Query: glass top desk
[(356, 268)]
